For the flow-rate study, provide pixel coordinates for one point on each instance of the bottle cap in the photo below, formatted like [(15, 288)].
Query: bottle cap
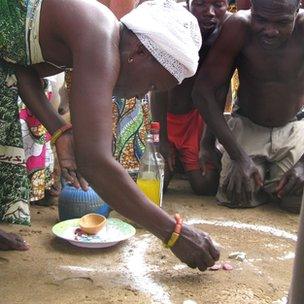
[(155, 125)]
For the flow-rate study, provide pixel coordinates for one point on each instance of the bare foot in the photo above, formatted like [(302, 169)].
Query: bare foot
[(11, 241)]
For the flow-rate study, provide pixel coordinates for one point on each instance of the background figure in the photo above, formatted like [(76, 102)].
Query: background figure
[(182, 125), (39, 156), (26, 159)]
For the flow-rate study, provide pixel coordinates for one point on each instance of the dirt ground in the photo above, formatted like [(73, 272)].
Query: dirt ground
[(142, 271)]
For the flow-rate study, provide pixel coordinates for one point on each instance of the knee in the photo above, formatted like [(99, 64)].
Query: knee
[(205, 185)]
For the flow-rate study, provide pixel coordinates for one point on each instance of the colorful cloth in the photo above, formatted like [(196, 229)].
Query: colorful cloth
[(38, 153), (131, 120), (185, 133), (25, 155), (26, 158), (15, 185), (12, 31)]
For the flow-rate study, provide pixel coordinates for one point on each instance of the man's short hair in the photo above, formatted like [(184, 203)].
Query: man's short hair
[(295, 3)]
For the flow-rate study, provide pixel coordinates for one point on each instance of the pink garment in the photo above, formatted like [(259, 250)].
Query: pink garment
[(39, 136)]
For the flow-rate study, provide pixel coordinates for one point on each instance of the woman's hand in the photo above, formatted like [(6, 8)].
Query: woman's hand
[(66, 158)]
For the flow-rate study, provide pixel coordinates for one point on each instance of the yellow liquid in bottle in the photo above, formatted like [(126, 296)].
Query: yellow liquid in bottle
[(150, 187)]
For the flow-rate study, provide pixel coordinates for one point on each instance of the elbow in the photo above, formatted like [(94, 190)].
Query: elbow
[(88, 163)]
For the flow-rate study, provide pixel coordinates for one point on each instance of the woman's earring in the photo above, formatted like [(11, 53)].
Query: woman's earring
[(130, 60)]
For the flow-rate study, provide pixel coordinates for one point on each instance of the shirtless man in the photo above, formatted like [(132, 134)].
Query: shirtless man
[(242, 4), (108, 58), (181, 123), (265, 143)]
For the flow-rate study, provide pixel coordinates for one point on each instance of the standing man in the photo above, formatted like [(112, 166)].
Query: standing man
[(181, 123), (264, 142)]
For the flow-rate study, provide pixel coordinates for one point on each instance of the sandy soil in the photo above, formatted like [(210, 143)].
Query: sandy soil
[(142, 271)]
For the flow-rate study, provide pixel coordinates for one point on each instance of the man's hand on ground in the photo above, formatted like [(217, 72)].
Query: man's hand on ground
[(238, 185), (196, 249), (292, 182), (67, 162)]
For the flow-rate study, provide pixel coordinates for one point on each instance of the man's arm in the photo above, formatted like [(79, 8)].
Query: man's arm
[(159, 109), (209, 154), (213, 77)]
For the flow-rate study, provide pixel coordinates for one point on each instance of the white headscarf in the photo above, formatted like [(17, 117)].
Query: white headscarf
[(170, 33)]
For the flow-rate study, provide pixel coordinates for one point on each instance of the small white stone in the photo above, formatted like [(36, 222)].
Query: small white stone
[(238, 256), (189, 302), (284, 300)]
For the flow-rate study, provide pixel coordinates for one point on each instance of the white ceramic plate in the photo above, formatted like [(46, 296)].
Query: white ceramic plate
[(114, 232)]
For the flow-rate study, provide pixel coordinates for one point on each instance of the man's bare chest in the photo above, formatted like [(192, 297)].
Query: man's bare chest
[(282, 65)]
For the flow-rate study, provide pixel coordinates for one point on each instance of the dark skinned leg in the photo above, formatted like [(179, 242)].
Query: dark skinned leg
[(11, 241), (204, 184)]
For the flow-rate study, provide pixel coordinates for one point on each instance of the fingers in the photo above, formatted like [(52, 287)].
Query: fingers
[(70, 176), (238, 190), (238, 194), (191, 264), (83, 183), (202, 262), (288, 187), (225, 185), (202, 266), (213, 250), (281, 184), (258, 179), (248, 190), (66, 175), (230, 190)]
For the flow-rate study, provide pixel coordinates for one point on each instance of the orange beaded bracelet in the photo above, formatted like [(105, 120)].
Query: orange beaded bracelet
[(176, 233), (59, 132)]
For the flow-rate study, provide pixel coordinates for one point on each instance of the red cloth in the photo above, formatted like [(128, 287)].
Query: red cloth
[(184, 133)]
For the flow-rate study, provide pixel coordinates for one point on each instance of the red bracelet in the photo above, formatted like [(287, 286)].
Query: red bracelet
[(179, 223), (59, 132)]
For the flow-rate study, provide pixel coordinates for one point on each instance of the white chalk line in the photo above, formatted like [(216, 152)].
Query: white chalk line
[(139, 269)]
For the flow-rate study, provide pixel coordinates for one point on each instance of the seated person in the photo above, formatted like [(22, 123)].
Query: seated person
[(264, 144), (181, 124)]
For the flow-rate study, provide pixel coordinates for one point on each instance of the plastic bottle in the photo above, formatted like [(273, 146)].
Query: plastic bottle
[(151, 168)]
